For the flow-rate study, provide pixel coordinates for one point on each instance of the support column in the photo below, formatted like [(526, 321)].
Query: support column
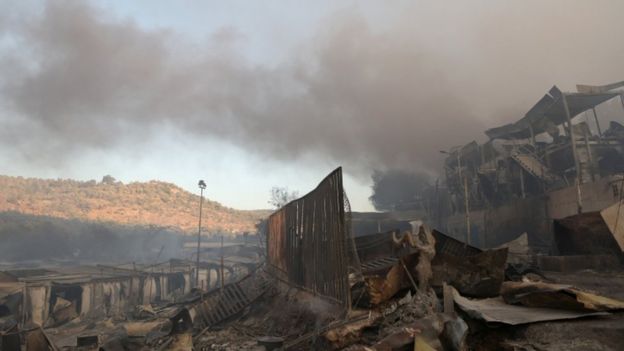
[(466, 200), (590, 158), (579, 180), (522, 189), (598, 123)]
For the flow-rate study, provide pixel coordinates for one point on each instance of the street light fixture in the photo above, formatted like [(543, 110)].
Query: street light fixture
[(202, 186)]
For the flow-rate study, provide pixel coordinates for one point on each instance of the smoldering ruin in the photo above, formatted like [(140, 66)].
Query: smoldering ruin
[(320, 278), (496, 154)]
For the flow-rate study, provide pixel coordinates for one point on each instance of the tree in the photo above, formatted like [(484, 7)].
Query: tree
[(281, 196), (108, 179), (398, 190)]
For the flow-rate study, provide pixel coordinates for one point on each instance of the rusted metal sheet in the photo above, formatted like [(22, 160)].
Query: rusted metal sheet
[(308, 241), (407, 260), (559, 296), (450, 246), (495, 310), (378, 252), (550, 107), (385, 284), (219, 305), (590, 233), (479, 275), (377, 247)]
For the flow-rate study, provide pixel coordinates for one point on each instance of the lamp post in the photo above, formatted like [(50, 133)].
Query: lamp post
[(463, 181), (202, 186)]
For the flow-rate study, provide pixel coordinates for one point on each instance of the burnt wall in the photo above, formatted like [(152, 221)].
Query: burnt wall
[(307, 241), (498, 225)]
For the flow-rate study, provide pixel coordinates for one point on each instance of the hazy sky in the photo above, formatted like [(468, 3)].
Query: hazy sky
[(252, 94)]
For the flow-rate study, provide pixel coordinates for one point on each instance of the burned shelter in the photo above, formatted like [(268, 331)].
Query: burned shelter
[(554, 162)]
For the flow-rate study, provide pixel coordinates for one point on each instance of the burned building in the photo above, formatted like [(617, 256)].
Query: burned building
[(554, 162)]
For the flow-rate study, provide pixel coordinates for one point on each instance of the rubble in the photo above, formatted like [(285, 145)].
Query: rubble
[(381, 287), (470, 270), (403, 339), (417, 289), (496, 310), (62, 312), (518, 250), (403, 312), (586, 234), (559, 296), (352, 331), (480, 275), (37, 340)]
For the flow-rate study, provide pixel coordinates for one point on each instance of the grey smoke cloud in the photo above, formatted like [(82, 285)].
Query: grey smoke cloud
[(366, 96)]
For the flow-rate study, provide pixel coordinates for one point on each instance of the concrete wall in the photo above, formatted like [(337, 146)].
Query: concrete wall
[(209, 277), (111, 297), (495, 226), (37, 303), (164, 287), (595, 197), (188, 283), (150, 289), (136, 297), (87, 299)]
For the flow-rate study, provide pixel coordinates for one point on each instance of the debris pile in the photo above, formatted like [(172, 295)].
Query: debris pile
[(418, 290), (320, 288)]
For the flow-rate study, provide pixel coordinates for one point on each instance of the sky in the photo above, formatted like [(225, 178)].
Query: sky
[(250, 95)]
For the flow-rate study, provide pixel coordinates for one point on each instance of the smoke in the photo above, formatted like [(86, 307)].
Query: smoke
[(386, 92), (398, 190), (27, 237)]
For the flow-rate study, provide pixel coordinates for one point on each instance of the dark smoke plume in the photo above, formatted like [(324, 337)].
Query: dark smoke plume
[(429, 77), (398, 190)]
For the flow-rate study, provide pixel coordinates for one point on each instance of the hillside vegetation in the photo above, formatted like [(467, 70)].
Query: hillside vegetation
[(150, 203)]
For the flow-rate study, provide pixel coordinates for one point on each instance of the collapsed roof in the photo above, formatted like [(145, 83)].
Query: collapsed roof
[(549, 110)]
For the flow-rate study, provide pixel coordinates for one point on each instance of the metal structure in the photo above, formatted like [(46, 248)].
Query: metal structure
[(220, 304), (464, 181), (552, 163), (309, 243)]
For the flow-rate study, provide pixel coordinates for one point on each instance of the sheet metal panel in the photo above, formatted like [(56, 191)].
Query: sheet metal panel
[(549, 109), (307, 241)]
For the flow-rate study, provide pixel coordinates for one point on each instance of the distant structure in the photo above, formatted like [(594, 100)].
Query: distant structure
[(554, 162)]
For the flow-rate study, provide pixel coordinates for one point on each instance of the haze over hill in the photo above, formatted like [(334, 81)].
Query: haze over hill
[(151, 203)]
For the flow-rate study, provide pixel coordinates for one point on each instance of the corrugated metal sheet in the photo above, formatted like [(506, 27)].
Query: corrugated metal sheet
[(221, 304), (308, 241), (549, 109), (450, 246)]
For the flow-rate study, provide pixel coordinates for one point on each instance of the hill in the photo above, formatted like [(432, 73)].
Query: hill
[(139, 203)]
